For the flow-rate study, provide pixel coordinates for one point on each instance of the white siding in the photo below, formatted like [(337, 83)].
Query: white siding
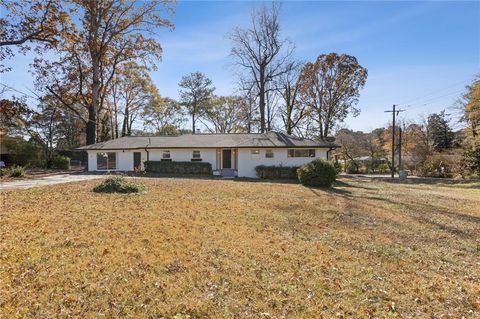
[(185, 155), (92, 161), (247, 162), (124, 159)]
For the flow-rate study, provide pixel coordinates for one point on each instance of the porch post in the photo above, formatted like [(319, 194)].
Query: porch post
[(218, 159)]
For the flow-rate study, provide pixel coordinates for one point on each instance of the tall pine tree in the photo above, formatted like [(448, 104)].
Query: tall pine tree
[(440, 131)]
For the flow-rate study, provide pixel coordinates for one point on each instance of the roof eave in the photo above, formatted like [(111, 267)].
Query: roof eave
[(199, 147)]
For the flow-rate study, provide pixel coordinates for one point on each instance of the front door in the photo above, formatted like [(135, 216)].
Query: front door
[(226, 158), (137, 160)]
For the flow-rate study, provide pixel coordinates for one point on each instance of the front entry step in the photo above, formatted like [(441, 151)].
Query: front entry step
[(228, 173)]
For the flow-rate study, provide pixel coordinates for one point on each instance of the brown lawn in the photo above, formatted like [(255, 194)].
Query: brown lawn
[(227, 249)]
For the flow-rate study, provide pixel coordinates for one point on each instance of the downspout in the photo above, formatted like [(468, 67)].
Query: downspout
[(146, 150), (328, 152)]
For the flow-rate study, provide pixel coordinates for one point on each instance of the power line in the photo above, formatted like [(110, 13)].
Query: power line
[(434, 98), (433, 92), (18, 91), (428, 101)]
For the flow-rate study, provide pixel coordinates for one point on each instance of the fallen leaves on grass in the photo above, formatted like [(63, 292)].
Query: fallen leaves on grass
[(224, 249)]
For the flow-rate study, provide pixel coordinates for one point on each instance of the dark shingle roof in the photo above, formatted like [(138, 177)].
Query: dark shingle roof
[(261, 140)]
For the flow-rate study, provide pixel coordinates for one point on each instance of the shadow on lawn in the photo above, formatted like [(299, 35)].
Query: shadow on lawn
[(474, 183), (340, 183), (336, 191), (428, 214), (259, 180)]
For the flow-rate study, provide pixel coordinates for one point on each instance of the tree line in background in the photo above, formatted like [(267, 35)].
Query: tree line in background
[(99, 73), (427, 147), (94, 85)]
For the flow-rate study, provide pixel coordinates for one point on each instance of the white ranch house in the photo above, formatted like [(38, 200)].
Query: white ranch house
[(229, 154)]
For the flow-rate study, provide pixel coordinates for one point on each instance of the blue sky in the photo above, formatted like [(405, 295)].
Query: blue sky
[(417, 53)]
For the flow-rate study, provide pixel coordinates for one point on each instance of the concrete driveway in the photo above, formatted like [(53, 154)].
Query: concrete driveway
[(48, 180)]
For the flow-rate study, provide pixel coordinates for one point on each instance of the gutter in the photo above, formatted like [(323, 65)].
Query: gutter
[(201, 147)]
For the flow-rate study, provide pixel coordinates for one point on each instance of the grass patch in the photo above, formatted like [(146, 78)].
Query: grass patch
[(119, 184), (224, 249)]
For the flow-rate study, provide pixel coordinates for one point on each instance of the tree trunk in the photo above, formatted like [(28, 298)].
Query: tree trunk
[(112, 127), (193, 123), (194, 112), (289, 128), (125, 123), (261, 104), (320, 125), (92, 111), (91, 125), (289, 124), (249, 119), (129, 125)]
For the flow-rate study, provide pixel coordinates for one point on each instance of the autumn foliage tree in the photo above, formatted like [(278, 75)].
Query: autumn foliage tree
[(106, 35), (30, 23), (12, 114), (470, 103), (43, 126), (330, 87)]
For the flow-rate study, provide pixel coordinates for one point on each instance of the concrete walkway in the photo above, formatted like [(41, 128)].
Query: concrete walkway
[(44, 181)]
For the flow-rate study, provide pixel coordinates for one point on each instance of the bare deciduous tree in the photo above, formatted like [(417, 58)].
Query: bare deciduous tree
[(132, 90), (261, 52), (226, 115), (248, 106), (293, 110), (164, 116), (352, 145), (195, 95)]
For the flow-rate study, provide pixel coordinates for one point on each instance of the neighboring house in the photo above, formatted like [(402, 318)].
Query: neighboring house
[(229, 154)]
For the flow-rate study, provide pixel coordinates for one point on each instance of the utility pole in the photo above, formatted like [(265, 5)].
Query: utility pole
[(400, 148), (394, 112)]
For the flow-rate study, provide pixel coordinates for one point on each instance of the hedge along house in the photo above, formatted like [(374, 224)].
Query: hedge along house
[(229, 155)]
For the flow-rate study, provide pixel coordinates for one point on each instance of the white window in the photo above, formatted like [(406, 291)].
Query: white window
[(106, 160), (269, 154), (196, 156), (166, 155), (255, 153), (299, 152)]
